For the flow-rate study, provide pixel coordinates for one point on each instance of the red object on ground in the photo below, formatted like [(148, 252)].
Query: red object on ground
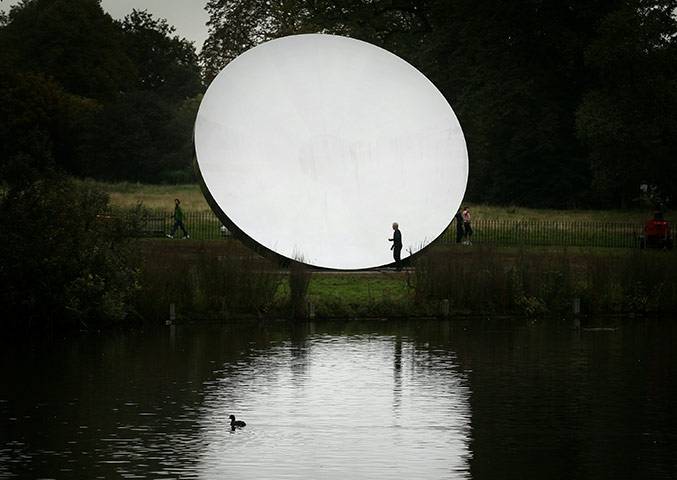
[(656, 235)]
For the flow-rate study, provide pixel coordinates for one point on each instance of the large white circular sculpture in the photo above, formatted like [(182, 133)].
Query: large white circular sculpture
[(311, 146)]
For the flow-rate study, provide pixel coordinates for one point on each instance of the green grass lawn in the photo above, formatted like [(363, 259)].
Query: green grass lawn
[(153, 197), (354, 294), (161, 197), (357, 288), (491, 212)]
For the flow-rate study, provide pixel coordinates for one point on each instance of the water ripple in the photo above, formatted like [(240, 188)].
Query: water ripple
[(339, 406)]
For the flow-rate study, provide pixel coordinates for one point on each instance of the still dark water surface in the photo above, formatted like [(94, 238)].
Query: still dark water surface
[(432, 399)]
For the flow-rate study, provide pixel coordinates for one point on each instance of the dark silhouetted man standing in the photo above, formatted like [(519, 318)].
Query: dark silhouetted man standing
[(397, 246)]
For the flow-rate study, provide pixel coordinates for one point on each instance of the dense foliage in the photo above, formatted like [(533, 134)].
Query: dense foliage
[(563, 103), (533, 282), (113, 100), (65, 262)]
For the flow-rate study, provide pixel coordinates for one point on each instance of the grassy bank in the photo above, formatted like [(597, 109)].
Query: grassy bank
[(546, 281), (224, 280), (153, 197), (161, 197), (221, 279)]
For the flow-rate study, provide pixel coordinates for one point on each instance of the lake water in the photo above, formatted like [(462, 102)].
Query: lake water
[(428, 399)]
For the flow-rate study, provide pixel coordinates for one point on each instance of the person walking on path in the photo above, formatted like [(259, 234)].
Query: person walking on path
[(466, 226), (179, 217), (459, 225), (396, 246)]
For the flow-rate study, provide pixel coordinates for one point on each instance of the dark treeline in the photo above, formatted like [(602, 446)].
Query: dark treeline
[(563, 103), (82, 95), (111, 100)]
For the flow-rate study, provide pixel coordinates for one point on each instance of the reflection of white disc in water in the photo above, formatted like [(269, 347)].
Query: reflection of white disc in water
[(312, 145)]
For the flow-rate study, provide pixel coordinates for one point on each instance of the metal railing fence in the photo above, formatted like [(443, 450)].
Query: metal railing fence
[(200, 226), (206, 226)]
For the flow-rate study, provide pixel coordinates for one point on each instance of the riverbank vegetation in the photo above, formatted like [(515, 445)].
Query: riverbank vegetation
[(218, 280), (538, 281), (65, 264), (75, 259), (224, 281), (65, 261)]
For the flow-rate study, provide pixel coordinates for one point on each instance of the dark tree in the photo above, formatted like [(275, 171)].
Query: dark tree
[(238, 25), (104, 98), (511, 71), (65, 263), (234, 27), (165, 64), (146, 134), (542, 90), (39, 123), (628, 116), (139, 137), (73, 41)]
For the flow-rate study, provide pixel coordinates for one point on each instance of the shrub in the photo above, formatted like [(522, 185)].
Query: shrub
[(65, 260), (299, 280), (478, 281), (212, 281)]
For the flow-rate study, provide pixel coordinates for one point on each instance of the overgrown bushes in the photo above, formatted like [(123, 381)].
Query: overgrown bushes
[(299, 281), (643, 281), (67, 261), (211, 281), (223, 280), (539, 282), (64, 261)]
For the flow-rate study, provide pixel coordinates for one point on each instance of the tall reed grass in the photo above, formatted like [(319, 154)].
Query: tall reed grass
[(539, 282), (299, 281), (222, 280), (643, 282), (216, 280)]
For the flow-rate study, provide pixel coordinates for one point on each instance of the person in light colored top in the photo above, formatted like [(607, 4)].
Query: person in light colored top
[(466, 226), (459, 225)]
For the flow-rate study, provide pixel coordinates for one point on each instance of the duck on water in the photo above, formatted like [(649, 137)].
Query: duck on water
[(236, 423)]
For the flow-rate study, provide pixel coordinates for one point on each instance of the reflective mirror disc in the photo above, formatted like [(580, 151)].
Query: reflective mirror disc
[(311, 146)]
